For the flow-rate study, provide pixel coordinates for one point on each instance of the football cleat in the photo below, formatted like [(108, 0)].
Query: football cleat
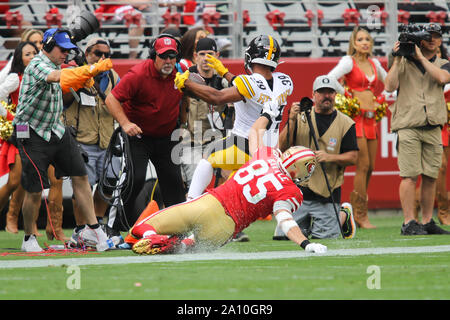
[(156, 244), (349, 226)]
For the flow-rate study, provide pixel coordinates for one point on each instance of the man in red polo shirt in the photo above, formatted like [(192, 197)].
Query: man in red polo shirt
[(146, 104)]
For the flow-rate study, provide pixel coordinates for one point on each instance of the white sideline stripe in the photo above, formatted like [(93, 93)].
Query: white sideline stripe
[(374, 173), (266, 255)]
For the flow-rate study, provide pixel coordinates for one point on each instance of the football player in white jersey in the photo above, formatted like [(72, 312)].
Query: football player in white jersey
[(249, 93)]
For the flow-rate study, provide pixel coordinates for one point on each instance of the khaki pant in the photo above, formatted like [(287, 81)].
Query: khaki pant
[(419, 152)]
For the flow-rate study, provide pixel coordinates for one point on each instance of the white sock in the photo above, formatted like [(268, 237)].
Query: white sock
[(201, 178)]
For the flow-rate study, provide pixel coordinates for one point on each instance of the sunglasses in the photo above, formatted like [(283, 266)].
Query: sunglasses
[(166, 55), (99, 54), (64, 50)]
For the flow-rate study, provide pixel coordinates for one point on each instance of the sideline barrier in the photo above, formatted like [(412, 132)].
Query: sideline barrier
[(383, 188)]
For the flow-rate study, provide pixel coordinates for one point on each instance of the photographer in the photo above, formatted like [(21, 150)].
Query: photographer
[(93, 123), (417, 117), (42, 138), (338, 148)]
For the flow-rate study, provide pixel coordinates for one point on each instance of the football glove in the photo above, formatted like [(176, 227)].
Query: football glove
[(316, 248), (180, 78), (216, 64), (77, 78)]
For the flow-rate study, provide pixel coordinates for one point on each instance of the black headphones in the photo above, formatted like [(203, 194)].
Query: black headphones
[(164, 35), (50, 43)]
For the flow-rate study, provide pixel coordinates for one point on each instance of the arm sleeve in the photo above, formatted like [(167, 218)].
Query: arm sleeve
[(8, 86), (380, 70), (244, 86), (344, 66), (127, 88)]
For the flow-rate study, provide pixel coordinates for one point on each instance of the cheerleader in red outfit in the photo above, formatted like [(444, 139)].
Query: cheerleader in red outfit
[(364, 76), (9, 155)]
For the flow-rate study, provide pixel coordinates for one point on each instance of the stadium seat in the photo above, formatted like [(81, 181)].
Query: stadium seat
[(403, 16), (275, 18), (53, 18), (437, 17), (13, 18), (351, 16)]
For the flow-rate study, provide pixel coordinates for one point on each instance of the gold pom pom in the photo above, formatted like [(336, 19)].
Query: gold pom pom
[(381, 111), (6, 127), (348, 106)]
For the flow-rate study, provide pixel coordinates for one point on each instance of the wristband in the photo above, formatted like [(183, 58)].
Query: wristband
[(304, 243)]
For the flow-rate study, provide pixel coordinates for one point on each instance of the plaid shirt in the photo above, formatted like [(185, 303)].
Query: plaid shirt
[(40, 102)]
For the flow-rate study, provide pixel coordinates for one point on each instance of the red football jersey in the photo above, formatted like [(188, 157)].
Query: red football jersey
[(254, 189)]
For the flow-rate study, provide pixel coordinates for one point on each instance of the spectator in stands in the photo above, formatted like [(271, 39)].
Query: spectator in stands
[(147, 107), (363, 76), (114, 13), (38, 127), (189, 42), (93, 125), (9, 155), (205, 122), (417, 117), (441, 182), (336, 136)]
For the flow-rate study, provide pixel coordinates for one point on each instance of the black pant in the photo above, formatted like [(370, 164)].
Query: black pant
[(158, 151)]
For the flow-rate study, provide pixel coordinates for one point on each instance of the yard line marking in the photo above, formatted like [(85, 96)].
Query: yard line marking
[(30, 263)]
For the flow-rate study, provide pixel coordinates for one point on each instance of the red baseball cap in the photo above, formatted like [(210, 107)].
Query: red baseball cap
[(165, 44)]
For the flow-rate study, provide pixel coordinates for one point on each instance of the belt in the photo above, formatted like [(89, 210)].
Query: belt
[(368, 114)]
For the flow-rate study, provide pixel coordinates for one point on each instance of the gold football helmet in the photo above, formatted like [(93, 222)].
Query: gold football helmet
[(299, 162)]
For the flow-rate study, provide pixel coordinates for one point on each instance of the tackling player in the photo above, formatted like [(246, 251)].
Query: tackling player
[(248, 93), (263, 185)]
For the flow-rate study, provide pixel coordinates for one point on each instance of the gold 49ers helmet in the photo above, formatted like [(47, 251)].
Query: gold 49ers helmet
[(263, 50), (299, 162)]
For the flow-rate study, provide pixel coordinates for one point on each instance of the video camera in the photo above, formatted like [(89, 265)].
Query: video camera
[(410, 36), (81, 27)]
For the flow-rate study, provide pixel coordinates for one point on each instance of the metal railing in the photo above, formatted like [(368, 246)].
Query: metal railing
[(297, 35)]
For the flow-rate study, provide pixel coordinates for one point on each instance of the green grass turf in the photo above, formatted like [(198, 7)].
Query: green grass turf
[(402, 276)]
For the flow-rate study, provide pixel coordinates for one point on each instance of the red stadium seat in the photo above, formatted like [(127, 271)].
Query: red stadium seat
[(13, 18), (437, 17), (310, 16), (275, 18), (351, 16), (132, 17), (245, 17), (403, 16), (53, 18), (170, 18), (211, 17)]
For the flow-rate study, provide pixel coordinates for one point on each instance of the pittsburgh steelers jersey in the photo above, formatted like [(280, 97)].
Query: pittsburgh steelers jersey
[(256, 91)]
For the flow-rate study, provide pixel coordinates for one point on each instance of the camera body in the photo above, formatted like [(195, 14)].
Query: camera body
[(410, 36), (81, 27), (306, 104)]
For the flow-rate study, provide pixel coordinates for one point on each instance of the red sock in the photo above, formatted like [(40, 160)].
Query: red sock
[(142, 230)]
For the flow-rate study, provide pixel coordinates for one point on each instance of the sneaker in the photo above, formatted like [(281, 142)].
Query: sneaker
[(156, 244), (432, 228), (90, 237), (31, 245), (413, 228), (349, 226), (241, 237)]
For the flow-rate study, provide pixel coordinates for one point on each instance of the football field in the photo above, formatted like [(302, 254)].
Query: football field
[(376, 264)]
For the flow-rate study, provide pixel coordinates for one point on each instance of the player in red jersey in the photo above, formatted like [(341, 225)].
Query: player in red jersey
[(263, 185)]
